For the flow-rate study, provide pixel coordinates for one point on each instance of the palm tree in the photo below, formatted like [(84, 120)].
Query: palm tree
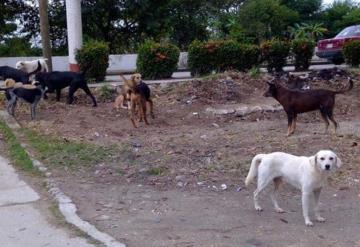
[(312, 31)]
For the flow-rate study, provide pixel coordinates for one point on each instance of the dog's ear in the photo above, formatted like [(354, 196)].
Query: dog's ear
[(132, 77), (338, 162), (313, 160)]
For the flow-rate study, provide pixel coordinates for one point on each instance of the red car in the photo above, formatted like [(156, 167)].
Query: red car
[(332, 48)]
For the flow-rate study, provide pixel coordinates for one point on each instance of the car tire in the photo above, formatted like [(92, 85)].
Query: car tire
[(337, 61)]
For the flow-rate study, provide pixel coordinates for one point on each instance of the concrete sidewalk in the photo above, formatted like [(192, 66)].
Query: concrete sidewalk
[(21, 221)]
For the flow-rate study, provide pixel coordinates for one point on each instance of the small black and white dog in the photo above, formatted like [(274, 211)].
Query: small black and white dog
[(55, 81), (28, 94), (7, 72)]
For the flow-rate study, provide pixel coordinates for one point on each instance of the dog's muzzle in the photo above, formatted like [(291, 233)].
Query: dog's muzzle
[(327, 167)]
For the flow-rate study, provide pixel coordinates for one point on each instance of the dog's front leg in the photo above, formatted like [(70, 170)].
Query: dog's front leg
[(317, 213), (305, 206)]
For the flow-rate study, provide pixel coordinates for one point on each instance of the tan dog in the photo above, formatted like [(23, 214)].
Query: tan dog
[(126, 89), (10, 83)]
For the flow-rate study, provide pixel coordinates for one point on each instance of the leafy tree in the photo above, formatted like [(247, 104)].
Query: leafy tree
[(307, 9), (11, 11), (17, 47), (352, 18), (264, 19), (188, 21), (332, 17)]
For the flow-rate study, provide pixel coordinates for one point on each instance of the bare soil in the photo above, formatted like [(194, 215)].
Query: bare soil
[(179, 181)]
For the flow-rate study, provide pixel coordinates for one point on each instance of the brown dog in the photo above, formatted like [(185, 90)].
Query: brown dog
[(126, 89), (300, 101), (139, 98)]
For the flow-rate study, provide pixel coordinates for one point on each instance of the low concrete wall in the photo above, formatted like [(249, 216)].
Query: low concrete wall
[(125, 63)]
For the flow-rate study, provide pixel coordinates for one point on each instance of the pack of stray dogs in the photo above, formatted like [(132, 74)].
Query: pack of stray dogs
[(308, 174), (30, 81)]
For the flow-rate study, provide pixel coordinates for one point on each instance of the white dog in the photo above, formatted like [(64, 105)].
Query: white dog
[(34, 66), (308, 174)]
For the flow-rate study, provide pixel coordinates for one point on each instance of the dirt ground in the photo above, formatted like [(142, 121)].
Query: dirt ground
[(179, 181)]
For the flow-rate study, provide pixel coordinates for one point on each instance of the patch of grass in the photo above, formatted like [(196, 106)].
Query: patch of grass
[(254, 72), (157, 171), (106, 92), (17, 153), (60, 152)]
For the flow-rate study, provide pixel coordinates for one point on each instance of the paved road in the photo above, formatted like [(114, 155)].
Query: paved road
[(21, 221)]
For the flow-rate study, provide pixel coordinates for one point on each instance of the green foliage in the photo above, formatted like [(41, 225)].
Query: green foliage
[(205, 57), (188, 21), (254, 72), (107, 93), (156, 60), (265, 19), (93, 58), (11, 11), (302, 50), (275, 52), (61, 152), (157, 171), (18, 47), (308, 31), (16, 152), (339, 15), (351, 51), (307, 9)]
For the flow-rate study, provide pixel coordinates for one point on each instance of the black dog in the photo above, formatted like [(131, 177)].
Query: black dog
[(29, 95), (55, 81), (15, 74)]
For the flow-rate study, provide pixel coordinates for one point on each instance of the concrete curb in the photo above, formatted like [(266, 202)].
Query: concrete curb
[(65, 204)]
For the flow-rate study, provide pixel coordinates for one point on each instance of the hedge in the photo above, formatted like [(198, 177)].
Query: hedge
[(351, 51), (157, 60), (93, 58), (218, 56), (303, 50), (275, 52)]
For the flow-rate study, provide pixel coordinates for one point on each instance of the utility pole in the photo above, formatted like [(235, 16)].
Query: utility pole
[(44, 31)]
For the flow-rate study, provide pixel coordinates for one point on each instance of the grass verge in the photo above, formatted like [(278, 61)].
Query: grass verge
[(58, 152), (17, 153)]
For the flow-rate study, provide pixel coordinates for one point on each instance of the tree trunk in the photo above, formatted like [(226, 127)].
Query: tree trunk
[(44, 30)]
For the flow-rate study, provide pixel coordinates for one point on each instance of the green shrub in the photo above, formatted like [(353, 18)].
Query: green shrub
[(93, 58), (157, 61), (351, 51), (275, 52), (201, 57), (106, 93), (254, 72), (303, 50), (205, 57)]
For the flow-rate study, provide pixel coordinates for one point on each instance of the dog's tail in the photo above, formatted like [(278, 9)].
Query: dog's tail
[(253, 169), (351, 85)]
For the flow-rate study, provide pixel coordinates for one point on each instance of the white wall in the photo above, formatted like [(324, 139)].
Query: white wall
[(126, 63)]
